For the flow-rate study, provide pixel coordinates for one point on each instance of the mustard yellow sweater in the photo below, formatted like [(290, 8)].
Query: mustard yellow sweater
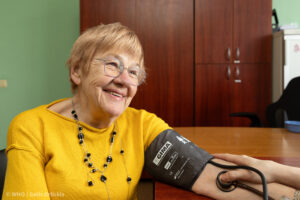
[(46, 161)]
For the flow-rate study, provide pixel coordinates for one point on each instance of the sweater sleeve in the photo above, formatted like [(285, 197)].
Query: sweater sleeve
[(153, 126), (25, 177)]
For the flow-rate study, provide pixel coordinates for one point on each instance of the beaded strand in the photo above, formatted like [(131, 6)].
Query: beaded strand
[(88, 158)]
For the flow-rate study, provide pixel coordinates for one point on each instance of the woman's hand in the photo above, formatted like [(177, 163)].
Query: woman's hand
[(267, 167)]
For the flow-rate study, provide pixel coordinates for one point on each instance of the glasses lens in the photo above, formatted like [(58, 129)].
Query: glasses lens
[(134, 74), (114, 69)]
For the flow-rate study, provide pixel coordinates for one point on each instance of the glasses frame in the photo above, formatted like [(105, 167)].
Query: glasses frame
[(122, 68)]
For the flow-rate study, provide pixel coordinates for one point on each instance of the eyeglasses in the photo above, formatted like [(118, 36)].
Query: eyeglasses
[(115, 67)]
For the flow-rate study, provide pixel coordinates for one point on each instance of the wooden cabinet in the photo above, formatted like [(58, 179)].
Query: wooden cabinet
[(219, 94), (165, 28), (190, 47), (233, 60), (212, 92), (229, 30), (251, 31), (213, 31)]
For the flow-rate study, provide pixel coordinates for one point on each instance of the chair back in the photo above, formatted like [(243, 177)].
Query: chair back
[(3, 163), (287, 107)]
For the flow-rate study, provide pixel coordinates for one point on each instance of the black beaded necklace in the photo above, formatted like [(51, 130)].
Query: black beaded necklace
[(91, 168)]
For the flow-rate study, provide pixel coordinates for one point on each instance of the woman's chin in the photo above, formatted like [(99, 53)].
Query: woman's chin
[(114, 112), (112, 107)]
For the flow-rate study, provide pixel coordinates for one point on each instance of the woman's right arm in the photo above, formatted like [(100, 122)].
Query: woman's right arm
[(25, 177), (274, 172)]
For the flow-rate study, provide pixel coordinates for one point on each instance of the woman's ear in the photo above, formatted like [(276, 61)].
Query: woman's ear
[(75, 75)]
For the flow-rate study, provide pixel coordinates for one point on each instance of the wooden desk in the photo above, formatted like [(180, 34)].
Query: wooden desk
[(265, 143)]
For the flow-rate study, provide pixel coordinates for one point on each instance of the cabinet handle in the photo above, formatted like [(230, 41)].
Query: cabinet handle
[(228, 72), (237, 72), (228, 53), (237, 75), (237, 53)]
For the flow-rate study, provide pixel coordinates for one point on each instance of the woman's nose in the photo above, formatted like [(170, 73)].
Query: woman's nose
[(124, 78)]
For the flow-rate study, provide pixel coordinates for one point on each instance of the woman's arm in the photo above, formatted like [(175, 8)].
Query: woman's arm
[(25, 178), (25, 175), (274, 172), (206, 185)]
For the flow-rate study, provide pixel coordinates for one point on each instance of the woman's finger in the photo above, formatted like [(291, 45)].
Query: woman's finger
[(238, 175), (237, 159), (230, 176)]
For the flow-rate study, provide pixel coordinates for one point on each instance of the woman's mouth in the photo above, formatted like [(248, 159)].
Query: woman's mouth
[(114, 93)]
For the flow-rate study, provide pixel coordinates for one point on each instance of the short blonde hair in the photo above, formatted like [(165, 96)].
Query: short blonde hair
[(102, 39)]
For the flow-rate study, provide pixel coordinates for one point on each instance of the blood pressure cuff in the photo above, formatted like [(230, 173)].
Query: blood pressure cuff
[(175, 160)]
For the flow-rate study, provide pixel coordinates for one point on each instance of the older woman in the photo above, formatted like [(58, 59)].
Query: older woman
[(92, 146)]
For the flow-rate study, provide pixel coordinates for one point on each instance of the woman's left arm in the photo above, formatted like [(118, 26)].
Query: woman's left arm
[(273, 171), (206, 185)]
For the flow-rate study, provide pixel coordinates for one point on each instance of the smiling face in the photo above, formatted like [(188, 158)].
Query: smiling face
[(104, 94), (105, 38)]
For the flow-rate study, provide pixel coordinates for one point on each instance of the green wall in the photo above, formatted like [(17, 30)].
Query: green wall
[(35, 40), (288, 11)]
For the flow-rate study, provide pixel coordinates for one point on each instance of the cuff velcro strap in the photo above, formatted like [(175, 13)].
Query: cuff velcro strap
[(175, 160)]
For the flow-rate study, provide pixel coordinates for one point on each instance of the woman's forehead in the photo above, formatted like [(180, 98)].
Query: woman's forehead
[(123, 56)]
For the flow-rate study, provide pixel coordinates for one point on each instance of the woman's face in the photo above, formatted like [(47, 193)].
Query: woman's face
[(106, 94)]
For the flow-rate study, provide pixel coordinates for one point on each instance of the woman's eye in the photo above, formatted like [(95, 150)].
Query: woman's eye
[(133, 72), (112, 65)]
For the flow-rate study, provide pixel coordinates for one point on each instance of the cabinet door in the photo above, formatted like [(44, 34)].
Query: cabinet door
[(165, 28), (212, 95), (213, 31), (253, 30), (219, 93), (250, 91), (95, 12)]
